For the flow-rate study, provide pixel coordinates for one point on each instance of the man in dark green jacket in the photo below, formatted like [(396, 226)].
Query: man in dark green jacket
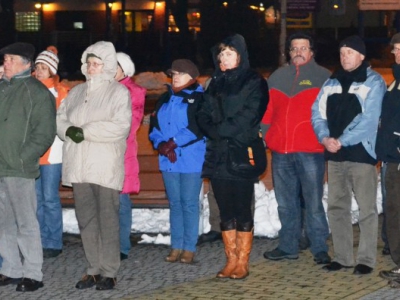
[(27, 129)]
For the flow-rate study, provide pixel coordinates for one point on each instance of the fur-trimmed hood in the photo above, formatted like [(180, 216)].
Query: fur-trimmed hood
[(106, 52)]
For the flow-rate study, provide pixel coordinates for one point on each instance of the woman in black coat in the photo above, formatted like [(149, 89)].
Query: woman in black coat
[(233, 107)]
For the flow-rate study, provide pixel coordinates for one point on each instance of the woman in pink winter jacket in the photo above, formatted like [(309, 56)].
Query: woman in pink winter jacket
[(125, 70)]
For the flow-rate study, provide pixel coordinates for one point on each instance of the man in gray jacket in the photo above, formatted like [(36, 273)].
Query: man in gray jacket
[(27, 129)]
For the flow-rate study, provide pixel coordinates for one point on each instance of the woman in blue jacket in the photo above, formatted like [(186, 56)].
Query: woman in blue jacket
[(181, 146)]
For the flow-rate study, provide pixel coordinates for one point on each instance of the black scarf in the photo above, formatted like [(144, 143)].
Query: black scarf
[(346, 78)]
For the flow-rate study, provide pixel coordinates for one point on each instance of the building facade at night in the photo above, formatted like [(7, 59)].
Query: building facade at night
[(150, 34)]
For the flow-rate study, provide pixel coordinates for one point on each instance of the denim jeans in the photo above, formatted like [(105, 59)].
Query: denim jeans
[(183, 191), (125, 223), (295, 175), (49, 211)]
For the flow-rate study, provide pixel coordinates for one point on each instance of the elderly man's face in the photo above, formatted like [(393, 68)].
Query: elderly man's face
[(396, 52), (350, 59), (14, 64), (300, 52)]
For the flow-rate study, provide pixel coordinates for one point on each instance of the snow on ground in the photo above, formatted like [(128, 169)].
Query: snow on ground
[(266, 219)]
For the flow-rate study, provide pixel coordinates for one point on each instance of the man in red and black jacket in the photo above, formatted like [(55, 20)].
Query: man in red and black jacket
[(298, 164)]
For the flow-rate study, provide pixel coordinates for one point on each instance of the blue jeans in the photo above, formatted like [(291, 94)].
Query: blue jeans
[(292, 174), (125, 223), (183, 191), (49, 211)]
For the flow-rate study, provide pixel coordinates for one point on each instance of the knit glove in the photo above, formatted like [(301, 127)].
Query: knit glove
[(75, 134)]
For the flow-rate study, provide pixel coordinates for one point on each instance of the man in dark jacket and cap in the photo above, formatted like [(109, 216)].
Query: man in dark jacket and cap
[(388, 150), (28, 128)]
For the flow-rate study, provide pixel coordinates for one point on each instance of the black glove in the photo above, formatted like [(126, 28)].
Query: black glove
[(171, 155), (75, 134)]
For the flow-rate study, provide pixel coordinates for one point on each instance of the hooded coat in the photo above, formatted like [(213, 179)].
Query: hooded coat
[(102, 108), (234, 104)]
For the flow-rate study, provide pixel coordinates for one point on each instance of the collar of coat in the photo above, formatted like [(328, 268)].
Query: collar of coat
[(192, 87), (357, 75)]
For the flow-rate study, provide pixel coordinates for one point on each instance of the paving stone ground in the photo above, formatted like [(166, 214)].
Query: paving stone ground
[(145, 275)]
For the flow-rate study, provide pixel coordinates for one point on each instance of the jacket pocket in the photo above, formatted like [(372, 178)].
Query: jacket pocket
[(12, 156)]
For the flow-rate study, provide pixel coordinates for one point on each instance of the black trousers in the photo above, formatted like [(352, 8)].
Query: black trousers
[(234, 199), (392, 184)]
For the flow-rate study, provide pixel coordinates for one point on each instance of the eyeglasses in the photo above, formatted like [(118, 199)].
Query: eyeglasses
[(178, 73), (395, 50), (94, 65), (301, 49)]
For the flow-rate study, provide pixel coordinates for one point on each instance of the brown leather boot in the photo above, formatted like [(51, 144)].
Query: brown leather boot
[(187, 257), (244, 242), (228, 231), (173, 255)]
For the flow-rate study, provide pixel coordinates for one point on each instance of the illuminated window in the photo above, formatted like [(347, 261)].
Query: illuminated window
[(194, 20), (171, 24), (27, 21), (78, 25), (137, 20), (193, 16)]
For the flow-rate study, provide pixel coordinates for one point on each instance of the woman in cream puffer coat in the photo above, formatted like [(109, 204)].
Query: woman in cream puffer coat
[(94, 120)]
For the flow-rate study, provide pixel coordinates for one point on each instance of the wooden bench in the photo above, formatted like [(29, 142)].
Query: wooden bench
[(152, 192)]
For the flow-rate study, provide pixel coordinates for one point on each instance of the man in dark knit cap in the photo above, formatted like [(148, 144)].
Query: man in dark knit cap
[(387, 149), (27, 129), (345, 118)]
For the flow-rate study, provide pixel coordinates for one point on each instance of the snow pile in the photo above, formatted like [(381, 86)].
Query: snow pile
[(266, 219)]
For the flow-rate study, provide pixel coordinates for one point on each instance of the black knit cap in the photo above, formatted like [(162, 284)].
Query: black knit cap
[(22, 49), (184, 66), (354, 42)]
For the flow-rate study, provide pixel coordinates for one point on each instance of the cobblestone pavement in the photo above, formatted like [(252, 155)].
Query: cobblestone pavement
[(145, 275)]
